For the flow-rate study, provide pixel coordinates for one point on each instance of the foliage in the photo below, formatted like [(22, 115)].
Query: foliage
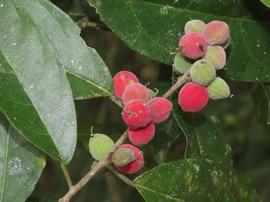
[(52, 89)]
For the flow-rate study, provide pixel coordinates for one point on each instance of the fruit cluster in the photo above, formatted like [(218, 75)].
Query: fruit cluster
[(141, 111), (201, 53)]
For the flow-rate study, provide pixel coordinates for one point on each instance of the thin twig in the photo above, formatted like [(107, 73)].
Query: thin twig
[(181, 80), (97, 167), (66, 175), (122, 177), (106, 160)]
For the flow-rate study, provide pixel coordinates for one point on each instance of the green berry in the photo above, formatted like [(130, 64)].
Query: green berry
[(218, 89), (216, 55), (194, 26), (181, 64), (122, 157), (100, 146), (202, 72)]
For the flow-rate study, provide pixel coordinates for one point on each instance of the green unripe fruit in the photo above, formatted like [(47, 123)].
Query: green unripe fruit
[(100, 146), (216, 55), (122, 157), (202, 72), (218, 89), (181, 64), (194, 26)]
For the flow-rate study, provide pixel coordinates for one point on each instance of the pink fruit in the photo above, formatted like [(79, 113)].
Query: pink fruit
[(134, 166), (136, 114), (192, 97), (135, 91), (216, 32), (160, 109), (193, 45), (141, 136), (121, 80)]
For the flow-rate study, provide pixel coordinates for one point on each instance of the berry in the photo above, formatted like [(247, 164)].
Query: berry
[(216, 55), (121, 80), (136, 114), (141, 136), (193, 45), (218, 89), (192, 97), (135, 91), (122, 157), (160, 109), (181, 64), (100, 146), (202, 72), (217, 32), (134, 166), (194, 26)]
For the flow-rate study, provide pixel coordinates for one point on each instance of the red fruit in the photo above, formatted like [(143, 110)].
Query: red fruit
[(141, 136), (121, 80), (134, 166), (135, 91), (136, 114), (217, 32), (160, 109), (192, 97), (193, 45)]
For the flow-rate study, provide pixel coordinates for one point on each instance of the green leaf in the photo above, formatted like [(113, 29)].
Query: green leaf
[(45, 44), (35, 93), (89, 76), (266, 3), (261, 97), (166, 134), (152, 28), (204, 138), (20, 165), (193, 180), (231, 8)]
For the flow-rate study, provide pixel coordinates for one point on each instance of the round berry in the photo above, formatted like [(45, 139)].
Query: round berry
[(141, 136), (194, 26), (193, 45), (216, 55), (136, 114), (160, 109), (123, 156), (192, 97), (181, 64), (135, 91), (134, 166), (217, 32), (121, 80), (100, 146), (202, 72), (218, 89)]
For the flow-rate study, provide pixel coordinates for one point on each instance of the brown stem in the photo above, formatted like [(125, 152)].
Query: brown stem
[(181, 80), (97, 167), (106, 160)]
